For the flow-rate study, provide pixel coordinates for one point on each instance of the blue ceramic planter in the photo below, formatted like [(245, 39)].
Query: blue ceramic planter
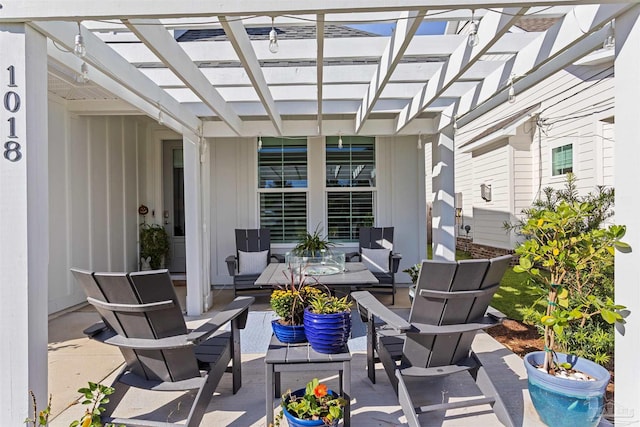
[(327, 333), (567, 403), (297, 422), (288, 334)]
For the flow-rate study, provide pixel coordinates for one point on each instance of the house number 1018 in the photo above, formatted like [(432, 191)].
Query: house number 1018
[(12, 148)]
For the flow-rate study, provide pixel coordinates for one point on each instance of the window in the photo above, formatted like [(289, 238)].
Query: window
[(282, 187), (350, 181), (562, 160)]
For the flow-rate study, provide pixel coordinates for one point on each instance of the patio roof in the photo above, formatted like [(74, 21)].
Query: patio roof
[(208, 70)]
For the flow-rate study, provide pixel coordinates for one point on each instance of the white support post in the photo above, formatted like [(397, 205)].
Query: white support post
[(443, 184), (627, 159), (24, 221), (193, 225)]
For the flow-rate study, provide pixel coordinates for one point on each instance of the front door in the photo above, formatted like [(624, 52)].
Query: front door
[(173, 213)]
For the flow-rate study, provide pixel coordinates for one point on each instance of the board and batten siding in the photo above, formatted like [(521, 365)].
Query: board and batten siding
[(399, 197), (93, 170), (491, 166)]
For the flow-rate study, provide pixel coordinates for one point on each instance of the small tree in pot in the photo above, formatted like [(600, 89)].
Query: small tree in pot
[(154, 244), (566, 257)]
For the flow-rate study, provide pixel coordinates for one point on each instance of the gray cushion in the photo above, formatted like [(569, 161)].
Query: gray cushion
[(376, 260), (252, 262)]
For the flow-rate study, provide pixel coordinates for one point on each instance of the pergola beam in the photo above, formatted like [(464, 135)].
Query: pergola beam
[(21, 10), (105, 59), (165, 47), (320, 66), (406, 27), (492, 27), (240, 40), (562, 44)]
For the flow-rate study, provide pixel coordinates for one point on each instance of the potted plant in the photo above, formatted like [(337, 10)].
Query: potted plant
[(413, 272), (327, 322), (154, 245), (312, 244), (565, 256), (289, 302), (314, 405)]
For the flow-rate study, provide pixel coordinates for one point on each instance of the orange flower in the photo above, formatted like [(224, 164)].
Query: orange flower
[(320, 390)]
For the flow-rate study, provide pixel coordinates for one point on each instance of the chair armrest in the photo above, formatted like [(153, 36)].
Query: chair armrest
[(108, 336), (496, 314), (426, 329), (395, 261), (348, 257), (236, 309), (278, 257), (368, 302), (232, 264)]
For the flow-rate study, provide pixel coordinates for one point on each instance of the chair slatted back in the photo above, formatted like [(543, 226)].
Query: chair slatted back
[(376, 237), (253, 240), (452, 307), (138, 289)]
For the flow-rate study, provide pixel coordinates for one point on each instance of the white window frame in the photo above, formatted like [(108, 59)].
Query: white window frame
[(562, 143)]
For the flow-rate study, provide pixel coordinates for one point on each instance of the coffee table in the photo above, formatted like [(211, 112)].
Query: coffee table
[(356, 274)]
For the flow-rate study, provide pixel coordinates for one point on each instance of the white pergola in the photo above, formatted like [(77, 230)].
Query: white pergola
[(230, 84)]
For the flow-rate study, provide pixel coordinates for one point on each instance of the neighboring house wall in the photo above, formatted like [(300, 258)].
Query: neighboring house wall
[(234, 200), (93, 220), (576, 109)]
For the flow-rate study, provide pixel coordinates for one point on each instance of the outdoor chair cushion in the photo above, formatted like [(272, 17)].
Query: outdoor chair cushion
[(252, 262), (376, 260)]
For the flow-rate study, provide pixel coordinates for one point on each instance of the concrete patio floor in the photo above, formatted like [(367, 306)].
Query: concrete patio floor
[(74, 360)]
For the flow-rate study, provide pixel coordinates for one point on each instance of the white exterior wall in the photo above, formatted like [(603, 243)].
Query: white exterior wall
[(577, 107), (93, 179), (492, 167), (399, 197)]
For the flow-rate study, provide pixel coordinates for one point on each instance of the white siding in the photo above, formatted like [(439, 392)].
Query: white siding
[(399, 197), (93, 198), (573, 104)]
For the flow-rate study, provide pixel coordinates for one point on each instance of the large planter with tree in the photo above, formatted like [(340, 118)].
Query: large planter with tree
[(566, 255), (154, 245)]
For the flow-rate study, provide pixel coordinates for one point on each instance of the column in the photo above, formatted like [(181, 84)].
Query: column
[(24, 223), (627, 159), (443, 183), (193, 225)]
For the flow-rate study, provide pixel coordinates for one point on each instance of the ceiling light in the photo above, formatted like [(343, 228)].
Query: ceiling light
[(473, 32), (79, 49), (340, 141), (512, 91), (273, 38), (83, 77), (610, 39)]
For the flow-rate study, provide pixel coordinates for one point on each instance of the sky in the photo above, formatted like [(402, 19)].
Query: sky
[(385, 29)]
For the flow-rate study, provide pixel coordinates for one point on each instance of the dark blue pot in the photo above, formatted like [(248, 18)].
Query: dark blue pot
[(327, 333), (288, 334), (567, 403), (297, 422)]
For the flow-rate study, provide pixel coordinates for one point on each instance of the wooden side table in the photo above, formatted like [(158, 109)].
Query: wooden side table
[(302, 358)]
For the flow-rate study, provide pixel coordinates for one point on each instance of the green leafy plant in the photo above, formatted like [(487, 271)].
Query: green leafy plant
[(413, 272), (154, 243), (566, 256), (325, 303), (312, 244), (95, 396), (317, 403), (40, 418)]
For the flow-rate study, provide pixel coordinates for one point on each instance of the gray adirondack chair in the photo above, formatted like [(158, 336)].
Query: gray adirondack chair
[(378, 239), (250, 243), (142, 317), (449, 308)]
